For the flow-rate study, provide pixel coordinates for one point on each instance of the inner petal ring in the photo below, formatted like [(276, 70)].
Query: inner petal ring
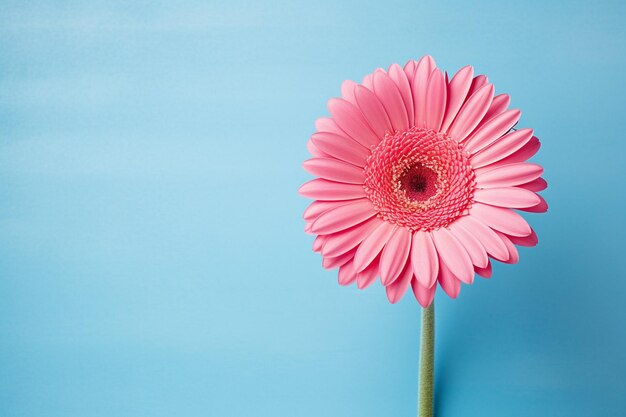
[(419, 179)]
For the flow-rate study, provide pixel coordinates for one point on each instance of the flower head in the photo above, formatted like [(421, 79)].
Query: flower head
[(419, 177)]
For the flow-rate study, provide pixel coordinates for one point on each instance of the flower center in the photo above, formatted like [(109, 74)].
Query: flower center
[(419, 179), (418, 182)]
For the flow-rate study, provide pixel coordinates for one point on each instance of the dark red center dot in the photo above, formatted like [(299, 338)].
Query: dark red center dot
[(419, 182)]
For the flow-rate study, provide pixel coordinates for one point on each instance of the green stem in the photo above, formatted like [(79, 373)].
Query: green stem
[(427, 356)]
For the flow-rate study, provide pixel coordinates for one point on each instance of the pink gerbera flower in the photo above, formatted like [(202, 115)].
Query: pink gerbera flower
[(419, 180)]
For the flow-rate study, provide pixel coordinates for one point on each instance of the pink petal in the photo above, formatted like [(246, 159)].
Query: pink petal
[(485, 235), (347, 91), (484, 272), (390, 97), (397, 289), (319, 242), (499, 105), (453, 254), (373, 111), (508, 175), (321, 189), (510, 197), (409, 69), (472, 245), (528, 241), (346, 274), (491, 131), (513, 257), (366, 277), (335, 170), (372, 245), (423, 295), (341, 242), (502, 148), (341, 147), (397, 75), (471, 113), (316, 208), (424, 259), (349, 118), (368, 82), (424, 69), (313, 150), (450, 284), (540, 207), (326, 124), (501, 219), (522, 154), (457, 92), (395, 255), (337, 261), (435, 100), (343, 217), (536, 185), (478, 82)]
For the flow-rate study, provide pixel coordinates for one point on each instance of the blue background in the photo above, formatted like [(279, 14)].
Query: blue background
[(152, 258)]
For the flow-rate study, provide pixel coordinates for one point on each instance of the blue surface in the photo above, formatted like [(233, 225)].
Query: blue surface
[(152, 259)]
